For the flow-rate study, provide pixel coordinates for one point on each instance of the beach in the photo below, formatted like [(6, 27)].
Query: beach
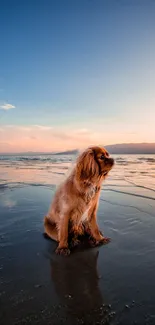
[(111, 284)]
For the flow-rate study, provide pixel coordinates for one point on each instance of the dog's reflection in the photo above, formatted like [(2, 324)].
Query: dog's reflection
[(76, 282)]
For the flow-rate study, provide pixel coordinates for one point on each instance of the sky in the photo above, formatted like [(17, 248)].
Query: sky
[(75, 73)]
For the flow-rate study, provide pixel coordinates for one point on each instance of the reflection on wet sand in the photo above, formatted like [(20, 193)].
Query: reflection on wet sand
[(76, 282)]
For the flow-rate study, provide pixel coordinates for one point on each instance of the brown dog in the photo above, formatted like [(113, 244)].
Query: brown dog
[(73, 209)]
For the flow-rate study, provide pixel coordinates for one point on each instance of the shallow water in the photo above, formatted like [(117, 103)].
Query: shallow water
[(130, 170), (112, 284)]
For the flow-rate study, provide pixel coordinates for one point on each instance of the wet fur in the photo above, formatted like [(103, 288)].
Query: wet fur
[(73, 210)]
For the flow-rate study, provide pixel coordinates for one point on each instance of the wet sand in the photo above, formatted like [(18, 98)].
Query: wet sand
[(112, 284)]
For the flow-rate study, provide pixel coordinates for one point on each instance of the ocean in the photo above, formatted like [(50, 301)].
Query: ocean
[(132, 174)]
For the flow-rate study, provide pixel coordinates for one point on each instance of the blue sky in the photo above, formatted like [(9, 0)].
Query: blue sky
[(77, 66)]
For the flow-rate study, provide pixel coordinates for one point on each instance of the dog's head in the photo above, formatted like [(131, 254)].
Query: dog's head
[(93, 163)]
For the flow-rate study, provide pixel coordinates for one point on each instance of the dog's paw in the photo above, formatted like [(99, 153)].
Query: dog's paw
[(74, 243), (105, 240), (93, 242), (62, 251)]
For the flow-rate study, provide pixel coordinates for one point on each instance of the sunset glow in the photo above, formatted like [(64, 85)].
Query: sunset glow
[(67, 85)]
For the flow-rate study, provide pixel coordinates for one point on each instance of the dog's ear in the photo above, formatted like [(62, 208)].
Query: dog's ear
[(86, 167)]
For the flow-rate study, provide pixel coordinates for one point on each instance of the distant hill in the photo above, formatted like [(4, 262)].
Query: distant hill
[(69, 152), (132, 148), (122, 148)]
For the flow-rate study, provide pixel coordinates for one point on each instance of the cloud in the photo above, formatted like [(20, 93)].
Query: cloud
[(8, 126), (33, 137), (29, 127), (76, 135), (24, 128), (4, 143), (6, 107), (42, 127), (46, 138), (82, 131)]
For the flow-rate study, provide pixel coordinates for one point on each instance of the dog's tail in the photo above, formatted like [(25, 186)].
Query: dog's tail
[(50, 229)]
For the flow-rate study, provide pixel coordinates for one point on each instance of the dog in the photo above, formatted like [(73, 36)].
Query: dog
[(73, 210)]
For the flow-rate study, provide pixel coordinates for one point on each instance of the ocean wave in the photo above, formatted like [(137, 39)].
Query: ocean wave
[(33, 159), (10, 185), (58, 173), (131, 194), (122, 162), (147, 159), (139, 185), (39, 159), (127, 206), (3, 186), (128, 162)]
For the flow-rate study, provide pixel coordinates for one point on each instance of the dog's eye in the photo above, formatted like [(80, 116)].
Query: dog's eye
[(102, 157)]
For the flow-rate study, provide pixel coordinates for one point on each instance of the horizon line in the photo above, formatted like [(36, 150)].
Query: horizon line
[(78, 149)]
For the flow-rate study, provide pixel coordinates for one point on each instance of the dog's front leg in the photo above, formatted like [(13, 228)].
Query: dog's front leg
[(96, 236), (74, 234), (62, 248)]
